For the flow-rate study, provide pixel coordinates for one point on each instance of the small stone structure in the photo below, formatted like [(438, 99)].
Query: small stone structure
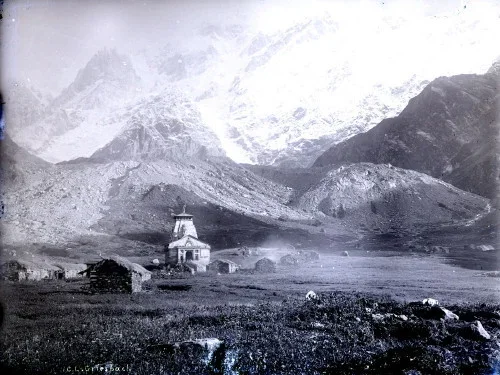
[(247, 251), (18, 270), (223, 266), (185, 246), (116, 275), (289, 260), (70, 270), (265, 265), (310, 255)]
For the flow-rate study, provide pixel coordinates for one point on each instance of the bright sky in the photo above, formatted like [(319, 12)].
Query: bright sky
[(45, 42)]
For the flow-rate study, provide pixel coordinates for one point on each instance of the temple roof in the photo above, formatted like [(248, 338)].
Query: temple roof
[(188, 241), (183, 213)]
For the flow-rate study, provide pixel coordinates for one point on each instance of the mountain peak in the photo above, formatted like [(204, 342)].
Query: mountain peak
[(106, 66)]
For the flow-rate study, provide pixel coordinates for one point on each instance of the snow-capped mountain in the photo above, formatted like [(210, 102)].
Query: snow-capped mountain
[(162, 127), (284, 97), (102, 88), (278, 95)]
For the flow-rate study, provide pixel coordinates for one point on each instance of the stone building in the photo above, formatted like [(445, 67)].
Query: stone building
[(70, 270), (20, 269), (265, 265), (116, 275), (223, 266), (185, 247)]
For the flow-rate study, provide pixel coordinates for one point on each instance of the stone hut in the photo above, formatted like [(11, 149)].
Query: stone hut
[(116, 275), (310, 255), (185, 247), (289, 260), (265, 265), (70, 270), (18, 270), (223, 266)]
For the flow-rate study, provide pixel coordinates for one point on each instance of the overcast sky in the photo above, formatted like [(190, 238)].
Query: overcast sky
[(45, 42)]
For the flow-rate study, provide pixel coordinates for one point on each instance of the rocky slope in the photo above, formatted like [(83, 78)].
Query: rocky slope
[(449, 131), (389, 198), (122, 202), (131, 200)]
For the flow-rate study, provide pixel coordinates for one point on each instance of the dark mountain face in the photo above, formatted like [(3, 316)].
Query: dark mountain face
[(17, 162), (448, 131)]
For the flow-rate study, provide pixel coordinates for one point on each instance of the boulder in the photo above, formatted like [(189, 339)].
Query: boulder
[(479, 330), (430, 302), (155, 261), (448, 315), (345, 253), (311, 296)]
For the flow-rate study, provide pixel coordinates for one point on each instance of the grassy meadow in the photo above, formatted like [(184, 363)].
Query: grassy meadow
[(264, 322)]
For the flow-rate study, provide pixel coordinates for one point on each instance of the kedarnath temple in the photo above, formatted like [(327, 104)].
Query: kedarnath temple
[(185, 247)]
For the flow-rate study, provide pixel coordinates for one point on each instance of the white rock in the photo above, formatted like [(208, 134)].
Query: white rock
[(311, 296), (403, 317), (478, 327), (430, 302), (345, 253), (378, 316), (485, 248), (155, 261), (448, 315)]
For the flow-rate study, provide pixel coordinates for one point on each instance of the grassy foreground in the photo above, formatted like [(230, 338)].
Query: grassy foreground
[(56, 328)]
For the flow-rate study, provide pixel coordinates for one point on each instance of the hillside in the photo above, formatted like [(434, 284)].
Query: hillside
[(449, 131), (387, 198)]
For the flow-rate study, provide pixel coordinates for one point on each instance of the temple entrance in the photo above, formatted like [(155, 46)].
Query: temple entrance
[(189, 255)]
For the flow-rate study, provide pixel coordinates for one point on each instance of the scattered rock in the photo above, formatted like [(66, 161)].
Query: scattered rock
[(378, 316), (318, 325), (430, 302), (478, 328), (311, 296), (448, 315), (210, 344), (485, 248)]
